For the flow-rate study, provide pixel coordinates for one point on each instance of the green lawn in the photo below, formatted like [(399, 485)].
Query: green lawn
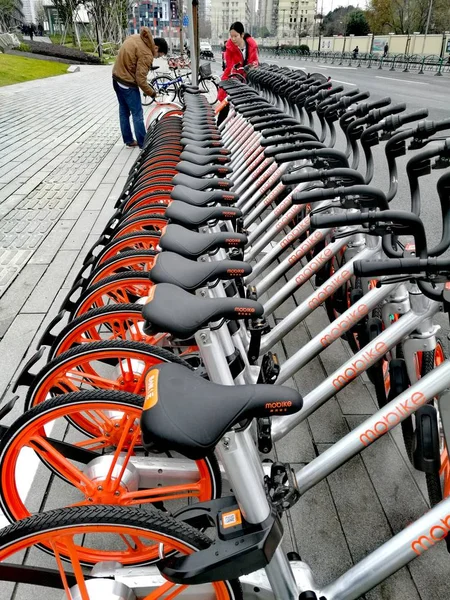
[(15, 69)]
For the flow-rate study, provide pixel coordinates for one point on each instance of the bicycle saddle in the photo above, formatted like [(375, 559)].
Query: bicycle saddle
[(189, 168), (188, 414), (197, 183), (173, 310), (190, 275), (191, 244), (207, 143), (201, 137), (198, 198), (193, 217), (206, 159), (203, 151)]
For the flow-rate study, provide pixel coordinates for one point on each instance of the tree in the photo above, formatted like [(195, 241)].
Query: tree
[(407, 16), (40, 12), (10, 12), (334, 22), (357, 23)]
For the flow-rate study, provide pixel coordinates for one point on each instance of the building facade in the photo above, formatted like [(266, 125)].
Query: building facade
[(225, 12), (287, 18)]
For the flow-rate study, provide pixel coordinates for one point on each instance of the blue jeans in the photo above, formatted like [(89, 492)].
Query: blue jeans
[(130, 104)]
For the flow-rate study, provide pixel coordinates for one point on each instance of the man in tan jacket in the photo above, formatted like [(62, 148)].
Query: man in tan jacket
[(129, 74)]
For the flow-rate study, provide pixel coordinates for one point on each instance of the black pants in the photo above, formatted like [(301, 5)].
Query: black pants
[(223, 115)]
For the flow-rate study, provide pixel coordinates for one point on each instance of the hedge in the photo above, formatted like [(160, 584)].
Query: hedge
[(62, 52)]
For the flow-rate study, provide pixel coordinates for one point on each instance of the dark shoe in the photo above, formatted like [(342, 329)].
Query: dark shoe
[(133, 144)]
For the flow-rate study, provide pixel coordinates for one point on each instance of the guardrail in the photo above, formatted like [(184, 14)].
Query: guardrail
[(392, 62)]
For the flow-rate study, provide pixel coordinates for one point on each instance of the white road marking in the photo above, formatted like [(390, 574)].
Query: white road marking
[(402, 80), (330, 67), (346, 82)]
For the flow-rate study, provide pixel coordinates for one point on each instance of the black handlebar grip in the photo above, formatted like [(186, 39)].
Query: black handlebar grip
[(393, 266)]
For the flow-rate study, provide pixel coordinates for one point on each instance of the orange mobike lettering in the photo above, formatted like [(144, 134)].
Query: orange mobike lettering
[(402, 410), (291, 213), (278, 404), (261, 168), (272, 179), (341, 325), (314, 265), (295, 233), (437, 533), (365, 360), (249, 161), (273, 194), (283, 205), (329, 287)]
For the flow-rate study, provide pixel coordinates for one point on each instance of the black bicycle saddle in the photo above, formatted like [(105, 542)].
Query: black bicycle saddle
[(197, 183), (191, 244), (193, 217), (206, 159), (171, 309), (188, 414), (200, 151), (207, 143), (191, 275), (202, 198), (194, 170)]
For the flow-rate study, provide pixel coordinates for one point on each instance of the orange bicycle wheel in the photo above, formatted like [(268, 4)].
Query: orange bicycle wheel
[(123, 288), (113, 365), (97, 470), (134, 261), (109, 533)]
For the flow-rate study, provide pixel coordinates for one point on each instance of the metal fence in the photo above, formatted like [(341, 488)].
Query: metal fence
[(391, 62)]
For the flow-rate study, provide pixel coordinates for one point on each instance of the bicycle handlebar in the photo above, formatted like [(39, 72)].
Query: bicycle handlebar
[(303, 177), (370, 197)]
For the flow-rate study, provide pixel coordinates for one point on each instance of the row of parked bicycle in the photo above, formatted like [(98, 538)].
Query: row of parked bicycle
[(158, 385)]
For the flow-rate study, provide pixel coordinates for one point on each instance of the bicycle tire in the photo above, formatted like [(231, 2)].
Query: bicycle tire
[(166, 90), (210, 90), (28, 433), (67, 522), (55, 371), (139, 261), (123, 288), (82, 327), (136, 240)]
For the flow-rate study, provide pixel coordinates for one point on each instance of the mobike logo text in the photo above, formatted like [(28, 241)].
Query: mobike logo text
[(251, 149), (329, 287), (273, 194), (278, 406), (367, 359), (437, 533), (228, 214), (283, 205), (295, 233), (272, 179), (291, 213), (341, 325), (251, 159), (235, 271), (315, 263), (402, 410), (233, 241), (261, 168), (244, 311)]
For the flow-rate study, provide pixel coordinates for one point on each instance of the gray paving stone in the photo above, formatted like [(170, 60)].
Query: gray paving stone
[(47, 288)]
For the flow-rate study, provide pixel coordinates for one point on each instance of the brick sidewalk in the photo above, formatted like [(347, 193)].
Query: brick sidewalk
[(62, 166)]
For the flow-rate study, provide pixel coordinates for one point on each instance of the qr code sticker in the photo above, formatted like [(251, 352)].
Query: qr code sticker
[(229, 519)]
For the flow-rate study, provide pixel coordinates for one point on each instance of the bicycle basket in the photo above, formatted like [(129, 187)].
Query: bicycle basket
[(205, 71)]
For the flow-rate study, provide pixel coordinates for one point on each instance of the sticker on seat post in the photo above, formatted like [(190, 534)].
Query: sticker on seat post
[(231, 519)]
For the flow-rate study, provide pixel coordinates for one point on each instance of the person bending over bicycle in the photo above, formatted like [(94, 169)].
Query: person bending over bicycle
[(130, 72), (241, 51)]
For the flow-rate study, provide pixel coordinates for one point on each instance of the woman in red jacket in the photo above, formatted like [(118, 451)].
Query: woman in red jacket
[(241, 50)]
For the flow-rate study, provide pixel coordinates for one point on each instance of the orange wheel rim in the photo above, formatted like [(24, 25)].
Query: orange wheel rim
[(139, 546), (106, 369), (120, 325), (158, 199), (118, 432), (145, 212), (140, 264), (116, 292), (146, 224), (141, 241)]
